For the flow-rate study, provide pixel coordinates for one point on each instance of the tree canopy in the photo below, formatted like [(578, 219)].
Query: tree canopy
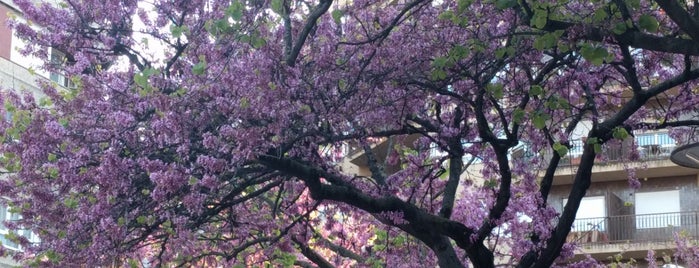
[(212, 132)]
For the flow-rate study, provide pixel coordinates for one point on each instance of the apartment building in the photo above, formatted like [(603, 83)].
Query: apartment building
[(17, 72), (614, 218)]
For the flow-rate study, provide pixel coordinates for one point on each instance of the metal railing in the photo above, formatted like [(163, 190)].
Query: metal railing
[(658, 227), (649, 146)]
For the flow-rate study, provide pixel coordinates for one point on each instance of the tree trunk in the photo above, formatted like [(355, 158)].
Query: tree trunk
[(446, 256)]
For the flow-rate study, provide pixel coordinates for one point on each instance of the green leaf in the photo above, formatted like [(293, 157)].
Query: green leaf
[(539, 19), (463, 5), (504, 4), (496, 90), (595, 55), (439, 62), (544, 42), (620, 133), (518, 115), (337, 15), (70, 203), (446, 15), (305, 108), (561, 149), (500, 52), (551, 103), (563, 103), (287, 259), (133, 263), (648, 23), (53, 172), (438, 74), (52, 157), (600, 15), (45, 102), (221, 26), (399, 241), (121, 221), (235, 10), (539, 120), (177, 31), (9, 107), (257, 42), (492, 183), (633, 4), (141, 219), (199, 68), (598, 148), (140, 80), (458, 52), (619, 28), (277, 6), (244, 102), (536, 90)]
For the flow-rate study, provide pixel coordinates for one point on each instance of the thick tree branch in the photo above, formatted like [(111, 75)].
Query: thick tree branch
[(681, 17), (311, 255), (503, 195), (632, 37), (340, 250), (456, 154), (294, 51), (580, 185), (337, 190), (630, 74), (663, 125)]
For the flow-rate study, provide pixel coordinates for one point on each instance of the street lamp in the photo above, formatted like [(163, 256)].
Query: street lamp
[(686, 155)]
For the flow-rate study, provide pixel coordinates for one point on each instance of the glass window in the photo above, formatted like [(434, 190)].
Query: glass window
[(6, 216), (58, 59)]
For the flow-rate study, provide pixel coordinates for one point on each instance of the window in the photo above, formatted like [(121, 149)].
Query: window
[(658, 209), (591, 214), (57, 59), (7, 215)]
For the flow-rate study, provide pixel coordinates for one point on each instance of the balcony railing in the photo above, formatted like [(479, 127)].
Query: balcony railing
[(659, 227), (649, 146)]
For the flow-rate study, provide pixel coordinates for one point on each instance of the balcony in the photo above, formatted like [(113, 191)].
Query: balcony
[(650, 146), (613, 232)]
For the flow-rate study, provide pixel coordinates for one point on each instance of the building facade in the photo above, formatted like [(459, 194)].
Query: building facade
[(615, 221), (16, 73), (616, 218)]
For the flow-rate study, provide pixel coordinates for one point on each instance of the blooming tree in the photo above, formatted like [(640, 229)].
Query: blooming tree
[(211, 132)]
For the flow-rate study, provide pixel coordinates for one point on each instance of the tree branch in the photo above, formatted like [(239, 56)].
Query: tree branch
[(681, 17), (337, 190), (294, 51), (632, 37), (311, 255)]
